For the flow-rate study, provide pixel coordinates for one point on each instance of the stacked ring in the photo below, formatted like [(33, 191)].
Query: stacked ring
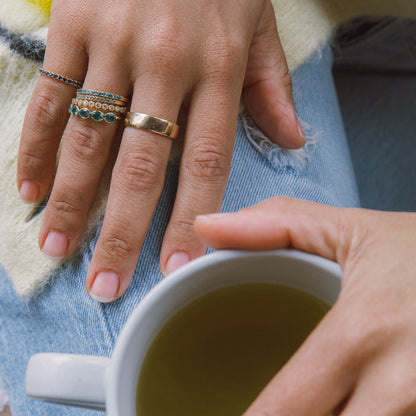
[(102, 95), (98, 106), (96, 115), (61, 78)]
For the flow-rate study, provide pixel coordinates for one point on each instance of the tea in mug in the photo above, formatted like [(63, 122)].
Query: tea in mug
[(215, 355)]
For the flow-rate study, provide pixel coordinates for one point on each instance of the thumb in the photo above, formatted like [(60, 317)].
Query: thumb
[(313, 382), (268, 86), (277, 223)]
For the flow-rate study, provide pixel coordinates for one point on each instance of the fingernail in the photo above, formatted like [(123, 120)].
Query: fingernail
[(105, 287), (28, 191), (55, 245), (175, 261), (301, 132)]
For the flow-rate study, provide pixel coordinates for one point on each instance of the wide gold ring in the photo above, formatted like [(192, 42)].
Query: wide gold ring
[(154, 124)]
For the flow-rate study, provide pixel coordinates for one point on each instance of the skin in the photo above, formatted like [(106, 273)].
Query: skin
[(5, 412), (360, 359), (196, 56)]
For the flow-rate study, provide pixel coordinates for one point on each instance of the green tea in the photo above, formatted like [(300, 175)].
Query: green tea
[(216, 354)]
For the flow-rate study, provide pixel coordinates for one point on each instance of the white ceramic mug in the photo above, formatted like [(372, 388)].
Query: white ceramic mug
[(111, 383)]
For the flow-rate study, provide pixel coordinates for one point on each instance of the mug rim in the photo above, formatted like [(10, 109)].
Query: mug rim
[(174, 279)]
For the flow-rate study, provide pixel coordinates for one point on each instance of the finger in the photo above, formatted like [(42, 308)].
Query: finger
[(204, 170), (387, 386), (136, 185), (47, 114), (280, 222), (84, 154), (315, 380), (268, 86)]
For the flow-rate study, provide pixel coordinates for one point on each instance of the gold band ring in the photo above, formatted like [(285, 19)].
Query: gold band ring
[(154, 124)]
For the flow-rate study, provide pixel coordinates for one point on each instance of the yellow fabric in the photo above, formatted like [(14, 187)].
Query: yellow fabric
[(304, 25), (23, 16), (44, 5)]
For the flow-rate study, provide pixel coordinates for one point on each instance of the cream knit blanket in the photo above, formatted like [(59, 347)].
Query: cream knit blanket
[(304, 25)]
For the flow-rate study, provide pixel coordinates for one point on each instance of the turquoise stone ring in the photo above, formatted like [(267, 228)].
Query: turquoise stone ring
[(94, 115), (98, 106)]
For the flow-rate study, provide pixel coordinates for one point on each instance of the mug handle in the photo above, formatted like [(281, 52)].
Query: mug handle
[(70, 379)]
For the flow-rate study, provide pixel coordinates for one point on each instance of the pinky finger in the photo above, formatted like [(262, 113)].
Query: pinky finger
[(45, 121)]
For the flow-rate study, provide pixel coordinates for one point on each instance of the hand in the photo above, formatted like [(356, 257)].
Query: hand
[(360, 360), (165, 55)]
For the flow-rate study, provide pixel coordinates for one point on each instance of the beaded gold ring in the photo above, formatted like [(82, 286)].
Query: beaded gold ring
[(61, 78), (98, 105), (87, 98), (102, 105)]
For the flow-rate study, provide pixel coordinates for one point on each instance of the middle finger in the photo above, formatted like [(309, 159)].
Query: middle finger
[(136, 186)]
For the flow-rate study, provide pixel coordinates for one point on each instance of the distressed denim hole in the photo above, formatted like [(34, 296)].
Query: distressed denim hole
[(278, 157)]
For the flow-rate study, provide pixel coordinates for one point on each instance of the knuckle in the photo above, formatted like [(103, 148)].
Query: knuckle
[(141, 172), (207, 159), (68, 21), (225, 56), (162, 59), (45, 111), (113, 246), (164, 49), (30, 160), (87, 140), (184, 226), (65, 207), (115, 40)]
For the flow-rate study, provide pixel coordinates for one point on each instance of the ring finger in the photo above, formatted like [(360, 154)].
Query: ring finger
[(85, 150)]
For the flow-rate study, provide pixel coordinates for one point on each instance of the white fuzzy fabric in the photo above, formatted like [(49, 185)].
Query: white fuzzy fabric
[(19, 251), (22, 16)]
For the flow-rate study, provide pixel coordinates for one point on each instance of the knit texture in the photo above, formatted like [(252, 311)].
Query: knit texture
[(304, 25), (43, 5)]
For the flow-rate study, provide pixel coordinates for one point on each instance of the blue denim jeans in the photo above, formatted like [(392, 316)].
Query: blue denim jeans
[(64, 319)]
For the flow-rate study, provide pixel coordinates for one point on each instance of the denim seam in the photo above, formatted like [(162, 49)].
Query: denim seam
[(87, 247), (102, 310)]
